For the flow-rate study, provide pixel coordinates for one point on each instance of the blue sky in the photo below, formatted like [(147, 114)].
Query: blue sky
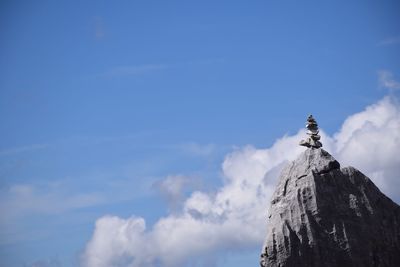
[(101, 102)]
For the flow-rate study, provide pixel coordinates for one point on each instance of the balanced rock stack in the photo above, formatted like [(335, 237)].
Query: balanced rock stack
[(325, 215), (313, 139)]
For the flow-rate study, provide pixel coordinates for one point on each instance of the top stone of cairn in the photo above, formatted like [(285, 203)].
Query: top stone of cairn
[(312, 130)]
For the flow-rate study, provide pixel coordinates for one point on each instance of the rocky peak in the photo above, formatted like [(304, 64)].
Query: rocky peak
[(322, 215), (317, 161)]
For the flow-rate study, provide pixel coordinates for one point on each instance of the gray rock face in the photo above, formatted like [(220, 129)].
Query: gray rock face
[(322, 215)]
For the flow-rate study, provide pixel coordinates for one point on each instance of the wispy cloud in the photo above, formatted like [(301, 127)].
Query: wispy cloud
[(134, 70), (196, 149), (45, 263), (25, 199), (20, 200), (99, 29), (386, 80), (390, 41), (22, 149)]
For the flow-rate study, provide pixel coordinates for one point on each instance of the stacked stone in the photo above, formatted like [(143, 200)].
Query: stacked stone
[(313, 139)]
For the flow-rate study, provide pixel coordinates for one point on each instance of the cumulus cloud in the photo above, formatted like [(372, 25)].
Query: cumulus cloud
[(173, 189), (230, 219), (233, 218), (370, 141)]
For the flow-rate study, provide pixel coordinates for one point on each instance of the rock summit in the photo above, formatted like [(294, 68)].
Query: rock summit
[(324, 215)]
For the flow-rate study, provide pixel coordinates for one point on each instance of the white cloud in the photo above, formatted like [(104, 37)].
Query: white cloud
[(390, 41), (386, 80), (173, 189), (370, 141), (233, 218), (113, 241), (198, 149)]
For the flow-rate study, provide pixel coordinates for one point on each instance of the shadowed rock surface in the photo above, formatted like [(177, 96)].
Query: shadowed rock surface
[(324, 215)]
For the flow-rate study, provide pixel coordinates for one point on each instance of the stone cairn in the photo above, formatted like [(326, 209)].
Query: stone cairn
[(313, 138)]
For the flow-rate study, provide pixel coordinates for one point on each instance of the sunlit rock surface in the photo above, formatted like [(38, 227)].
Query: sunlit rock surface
[(324, 215)]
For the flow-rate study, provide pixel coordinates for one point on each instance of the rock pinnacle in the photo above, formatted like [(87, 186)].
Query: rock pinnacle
[(325, 215)]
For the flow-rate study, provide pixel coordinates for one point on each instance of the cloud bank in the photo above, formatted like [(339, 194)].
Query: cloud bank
[(233, 218)]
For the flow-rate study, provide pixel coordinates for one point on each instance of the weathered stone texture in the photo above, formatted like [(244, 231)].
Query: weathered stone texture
[(322, 215)]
